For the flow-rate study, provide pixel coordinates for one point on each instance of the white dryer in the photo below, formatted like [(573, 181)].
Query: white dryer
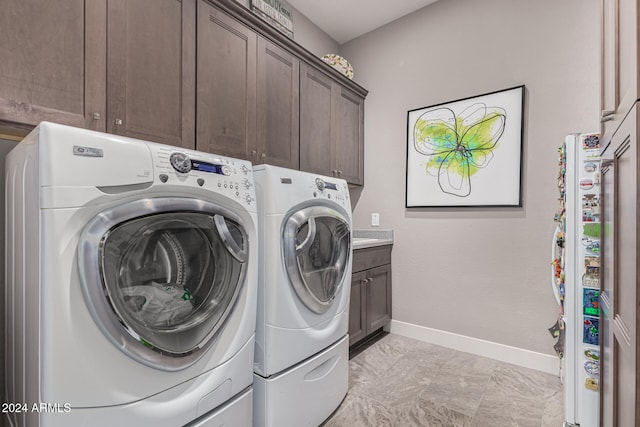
[(301, 359), (131, 283)]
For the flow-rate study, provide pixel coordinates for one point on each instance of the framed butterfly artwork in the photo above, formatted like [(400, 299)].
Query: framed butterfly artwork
[(467, 152)]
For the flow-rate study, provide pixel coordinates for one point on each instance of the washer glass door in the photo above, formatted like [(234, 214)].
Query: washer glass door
[(317, 251), (167, 280)]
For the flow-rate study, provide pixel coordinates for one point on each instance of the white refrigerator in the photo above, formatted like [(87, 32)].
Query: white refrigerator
[(575, 277)]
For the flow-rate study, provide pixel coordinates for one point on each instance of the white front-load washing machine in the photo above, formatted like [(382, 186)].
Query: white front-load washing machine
[(131, 283), (301, 358)]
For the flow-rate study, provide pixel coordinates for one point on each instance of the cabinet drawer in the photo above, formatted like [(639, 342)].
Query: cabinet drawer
[(366, 258)]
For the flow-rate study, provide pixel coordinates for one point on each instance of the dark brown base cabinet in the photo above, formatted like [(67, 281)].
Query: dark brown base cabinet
[(230, 85), (370, 306)]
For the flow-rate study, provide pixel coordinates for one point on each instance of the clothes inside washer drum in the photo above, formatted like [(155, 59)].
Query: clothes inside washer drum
[(158, 304)]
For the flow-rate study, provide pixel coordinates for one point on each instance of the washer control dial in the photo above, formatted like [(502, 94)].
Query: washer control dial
[(226, 170), (180, 162), (320, 184)]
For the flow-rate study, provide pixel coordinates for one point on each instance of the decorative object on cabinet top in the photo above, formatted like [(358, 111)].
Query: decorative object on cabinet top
[(244, 15), (274, 13), (339, 63), (371, 238)]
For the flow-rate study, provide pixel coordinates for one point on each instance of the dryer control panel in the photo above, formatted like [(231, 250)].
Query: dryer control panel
[(335, 190), (224, 175)]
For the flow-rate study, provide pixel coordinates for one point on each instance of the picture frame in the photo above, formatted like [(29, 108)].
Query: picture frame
[(467, 152)]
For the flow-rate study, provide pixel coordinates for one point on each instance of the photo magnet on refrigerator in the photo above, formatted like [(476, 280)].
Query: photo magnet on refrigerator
[(590, 167), (592, 354), (586, 183), (592, 265), (590, 280), (591, 384), (590, 141), (591, 229), (591, 331), (591, 302), (592, 368)]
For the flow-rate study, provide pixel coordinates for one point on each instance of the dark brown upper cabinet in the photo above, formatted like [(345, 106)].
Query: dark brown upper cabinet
[(619, 64), (349, 142), (248, 93), (317, 132), (287, 108), (200, 74), (151, 70), (278, 137), (52, 65), (226, 81), (331, 127)]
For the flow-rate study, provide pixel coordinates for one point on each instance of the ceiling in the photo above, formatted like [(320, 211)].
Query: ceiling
[(345, 20)]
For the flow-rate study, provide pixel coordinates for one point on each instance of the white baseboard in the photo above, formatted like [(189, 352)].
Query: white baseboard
[(504, 353)]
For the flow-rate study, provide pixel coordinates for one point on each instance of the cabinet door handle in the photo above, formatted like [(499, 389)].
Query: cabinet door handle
[(606, 115), (96, 116), (367, 280), (118, 122), (263, 155), (339, 173), (335, 172), (253, 153)]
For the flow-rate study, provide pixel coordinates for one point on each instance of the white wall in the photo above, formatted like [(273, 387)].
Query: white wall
[(478, 272)]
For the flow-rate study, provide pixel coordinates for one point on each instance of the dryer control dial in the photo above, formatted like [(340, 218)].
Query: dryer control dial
[(180, 162)]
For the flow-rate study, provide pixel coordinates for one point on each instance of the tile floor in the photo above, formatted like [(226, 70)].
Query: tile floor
[(400, 381)]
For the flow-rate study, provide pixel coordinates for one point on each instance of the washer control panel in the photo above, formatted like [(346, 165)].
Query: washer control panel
[(224, 175)]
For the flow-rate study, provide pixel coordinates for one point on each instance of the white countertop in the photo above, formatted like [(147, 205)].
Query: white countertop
[(371, 238)]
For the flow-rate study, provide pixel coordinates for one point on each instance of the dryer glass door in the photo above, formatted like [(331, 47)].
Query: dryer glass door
[(317, 251), (169, 280)]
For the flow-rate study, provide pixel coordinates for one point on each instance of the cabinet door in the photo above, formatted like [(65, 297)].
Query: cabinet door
[(226, 82), (378, 292), (607, 270), (609, 68), (52, 62), (151, 70), (278, 107), (349, 141), (316, 118), (619, 63), (620, 406), (357, 308)]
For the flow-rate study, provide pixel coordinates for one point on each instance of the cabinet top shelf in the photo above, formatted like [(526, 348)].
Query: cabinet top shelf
[(244, 15)]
